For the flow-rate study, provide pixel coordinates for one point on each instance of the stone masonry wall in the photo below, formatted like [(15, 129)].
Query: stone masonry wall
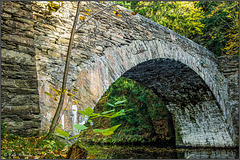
[(52, 32), (104, 49), (19, 92), (229, 66)]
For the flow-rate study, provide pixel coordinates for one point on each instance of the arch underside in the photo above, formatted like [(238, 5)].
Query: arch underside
[(198, 119)]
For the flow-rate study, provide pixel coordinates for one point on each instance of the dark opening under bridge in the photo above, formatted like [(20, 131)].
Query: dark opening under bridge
[(199, 89)]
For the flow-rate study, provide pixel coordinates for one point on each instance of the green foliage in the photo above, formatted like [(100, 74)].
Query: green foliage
[(16, 147), (62, 132), (89, 112), (212, 24), (80, 127), (142, 106), (221, 26), (3, 128), (107, 131)]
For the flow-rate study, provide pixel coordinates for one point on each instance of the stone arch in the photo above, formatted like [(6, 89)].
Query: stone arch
[(187, 97), (116, 61), (118, 47)]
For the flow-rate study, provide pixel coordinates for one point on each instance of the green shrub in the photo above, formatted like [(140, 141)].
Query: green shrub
[(3, 128)]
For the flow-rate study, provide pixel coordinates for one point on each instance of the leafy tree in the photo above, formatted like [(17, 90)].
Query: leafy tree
[(212, 24), (221, 26)]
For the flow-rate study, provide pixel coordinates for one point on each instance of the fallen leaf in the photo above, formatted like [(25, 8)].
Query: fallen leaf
[(56, 151), (65, 149), (134, 13), (64, 155), (16, 157)]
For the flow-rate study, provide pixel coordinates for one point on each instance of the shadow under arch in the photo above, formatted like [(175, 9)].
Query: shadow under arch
[(190, 101)]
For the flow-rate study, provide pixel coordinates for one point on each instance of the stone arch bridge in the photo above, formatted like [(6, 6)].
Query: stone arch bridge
[(199, 89)]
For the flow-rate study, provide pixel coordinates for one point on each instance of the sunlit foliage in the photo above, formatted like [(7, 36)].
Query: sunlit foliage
[(212, 24), (142, 107), (221, 26), (16, 147)]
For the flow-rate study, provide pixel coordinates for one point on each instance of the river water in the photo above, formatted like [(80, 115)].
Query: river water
[(153, 152)]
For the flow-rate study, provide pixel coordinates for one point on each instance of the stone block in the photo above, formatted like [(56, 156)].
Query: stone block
[(63, 41), (24, 132), (23, 14), (17, 57), (24, 20), (99, 48), (18, 39), (11, 7), (29, 34), (21, 110), (54, 54), (24, 100), (5, 15), (31, 132), (27, 50), (20, 75), (20, 90), (16, 24), (6, 29), (9, 118), (46, 26), (31, 124)]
